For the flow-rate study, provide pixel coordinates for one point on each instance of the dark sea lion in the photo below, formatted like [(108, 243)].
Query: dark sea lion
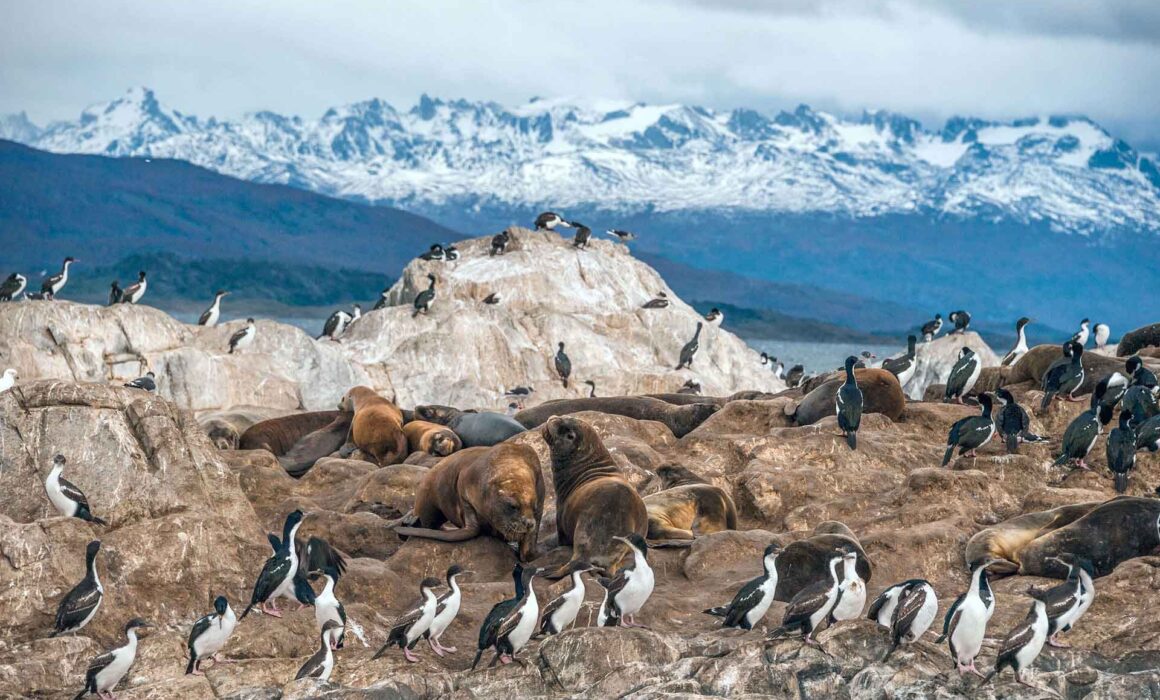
[(681, 420), (684, 512), (482, 429), (422, 459), (1136, 340), (316, 445), (673, 474), (686, 399), (807, 560), (279, 435), (377, 427), (1110, 534), (496, 491), (1007, 540), (880, 391), (594, 502), (432, 438)]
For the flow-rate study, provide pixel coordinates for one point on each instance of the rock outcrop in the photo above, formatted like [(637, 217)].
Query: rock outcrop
[(936, 359)]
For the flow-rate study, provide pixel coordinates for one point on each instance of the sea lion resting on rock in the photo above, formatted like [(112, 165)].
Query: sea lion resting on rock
[(474, 429), (1134, 341), (432, 438), (279, 435), (594, 503), (808, 560), (679, 512), (681, 420), (880, 391), (377, 427), (496, 491), (673, 474), (1106, 534), (316, 445)]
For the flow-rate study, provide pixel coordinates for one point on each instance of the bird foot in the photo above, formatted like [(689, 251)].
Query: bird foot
[(435, 647), (505, 659), (409, 656), (271, 610), (976, 671), (219, 659), (1054, 642), (449, 650)]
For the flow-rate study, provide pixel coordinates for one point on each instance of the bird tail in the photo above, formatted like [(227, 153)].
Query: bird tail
[(1061, 460), (1121, 482), (941, 638), (84, 692), (565, 380), (246, 611), (718, 611), (893, 648), (947, 455), (852, 439), (192, 663), (97, 521), (478, 656), (1046, 400), (1012, 443), (988, 678), (383, 649), (232, 347)]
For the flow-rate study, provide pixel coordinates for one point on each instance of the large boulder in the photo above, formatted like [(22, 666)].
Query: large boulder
[(936, 359)]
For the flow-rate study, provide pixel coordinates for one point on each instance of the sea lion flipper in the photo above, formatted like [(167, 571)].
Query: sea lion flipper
[(657, 531), (461, 534)]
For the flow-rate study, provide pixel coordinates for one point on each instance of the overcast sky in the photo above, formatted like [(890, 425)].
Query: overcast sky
[(927, 58)]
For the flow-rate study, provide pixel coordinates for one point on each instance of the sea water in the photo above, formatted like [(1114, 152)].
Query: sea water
[(820, 357)]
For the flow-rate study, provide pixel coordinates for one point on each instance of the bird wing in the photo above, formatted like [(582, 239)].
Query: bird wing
[(509, 622), (552, 607), (99, 664), (1020, 635), (407, 619), (274, 541), (960, 373), (1060, 598), (199, 627), (807, 601), (910, 601), (204, 318), (313, 666), (317, 554), (72, 492), (273, 572), (872, 613), (77, 604), (952, 618), (489, 631), (238, 335)]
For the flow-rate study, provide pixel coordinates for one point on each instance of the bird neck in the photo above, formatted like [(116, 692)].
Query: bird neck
[(132, 635), (577, 581), (453, 584), (850, 375), (54, 474), (328, 589), (770, 563), (288, 533)]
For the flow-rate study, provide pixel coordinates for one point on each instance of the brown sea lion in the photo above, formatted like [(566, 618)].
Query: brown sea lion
[(474, 429), (496, 491), (279, 435), (377, 428), (807, 560), (680, 419), (317, 444), (1134, 341), (1007, 540), (1034, 364), (686, 399), (881, 393), (673, 474), (594, 502), (431, 438), (684, 512)]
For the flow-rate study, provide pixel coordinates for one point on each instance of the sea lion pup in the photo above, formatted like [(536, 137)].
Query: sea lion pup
[(377, 428), (681, 420), (315, 445), (279, 435), (594, 503), (496, 491), (474, 429), (432, 438), (683, 512), (807, 560)]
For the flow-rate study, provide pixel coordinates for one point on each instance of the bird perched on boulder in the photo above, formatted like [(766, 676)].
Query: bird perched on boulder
[(621, 235), (793, 378), (1141, 375), (244, 337), (423, 300), (690, 349), (51, 286), (913, 615), (1111, 389), (1081, 336), (8, 379), (492, 298), (210, 316), (561, 612), (750, 604), (13, 286), (962, 321), (627, 592), (499, 243), (107, 670), (660, 301), (965, 624), (327, 607), (931, 328), (68, 500), (510, 623), (1148, 434), (146, 383), (970, 433), (903, 367), (209, 635), (812, 604), (1081, 435), (1064, 376), (848, 405), (78, 607), (450, 252), (382, 301), (563, 365), (410, 627), (853, 594), (963, 376), (435, 252), (335, 325), (447, 608), (1013, 422), (1020, 347), (277, 576), (136, 291), (550, 220), (1121, 451), (1023, 644), (583, 235), (321, 664), (1102, 332), (691, 386), (715, 317), (116, 294)]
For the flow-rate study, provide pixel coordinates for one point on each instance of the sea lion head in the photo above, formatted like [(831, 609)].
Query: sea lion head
[(444, 443), (569, 438), (436, 414), (351, 398), (673, 474)]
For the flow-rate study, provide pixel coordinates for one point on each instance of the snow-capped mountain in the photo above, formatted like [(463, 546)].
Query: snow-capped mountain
[(1064, 171)]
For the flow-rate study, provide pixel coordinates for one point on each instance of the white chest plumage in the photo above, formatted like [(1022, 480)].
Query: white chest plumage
[(529, 615)]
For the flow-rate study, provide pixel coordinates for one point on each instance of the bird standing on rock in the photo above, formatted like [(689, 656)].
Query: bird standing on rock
[(1121, 451), (135, 291), (1102, 332), (750, 604), (68, 500), (382, 301), (425, 297), (450, 252), (321, 664), (210, 316), (903, 367), (277, 576), (1112, 389), (970, 433), (848, 405), (561, 612), (962, 321), (1064, 376), (550, 220), (965, 624), (335, 325), (1062, 600), (510, 623), (1141, 375), (78, 607), (499, 243), (931, 328), (913, 615), (409, 628), (13, 286), (583, 235), (51, 286), (1013, 422), (1020, 348), (1148, 434), (1081, 435), (563, 365), (209, 635), (812, 604), (853, 594), (690, 349), (107, 670), (447, 608), (1023, 644), (715, 317), (146, 383), (116, 294), (627, 592), (1081, 336), (435, 252), (963, 376), (243, 338), (691, 386), (328, 608), (8, 379), (492, 298)]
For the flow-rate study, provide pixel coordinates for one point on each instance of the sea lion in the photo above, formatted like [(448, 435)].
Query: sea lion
[(686, 399), (474, 429), (496, 491), (317, 444), (807, 560), (1134, 341), (279, 435), (594, 502), (377, 427), (1105, 533), (683, 512), (431, 438), (681, 420), (880, 391), (673, 474), (1033, 365)]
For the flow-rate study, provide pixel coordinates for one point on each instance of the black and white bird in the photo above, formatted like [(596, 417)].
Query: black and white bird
[(848, 405), (303, 593), (382, 301), (1061, 615), (355, 314), (52, 285), (931, 328), (690, 349), (321, 664), (243, 338), (1102, 333), (965, 624), (210, 634), (1081, 336), (1112, 389), (68, 500), (561, 612), (520, 391), (621, 235), (510, 623), (963, 376), (865, 359), (134, 292), (1023, 644), (691, 386), (1148, 434), (328, 608), (335, 325), (107, 670), (1141, 375), (961, 319), (1020, 348), (446, 611), (591, 388), (852, 600), (450, 252), (435, 252), (882, 609), (1013, 422), (811, 606), (1064, 376), (563, 364), (715, 317), (1080, 436), (913, 615), (213, 314), (1141, 402), (145, 383), (277, 576), (1121, 451), (78, 607), (903, 367), (410, 627), (795, 375), (550, 220), (499, 243), (778, 368), (628, 591), (492, 298), (8, 379), (583, 235), (13, 285), (970, 433), (424, 298), (750, 604), (116, 294), (660, 301)]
